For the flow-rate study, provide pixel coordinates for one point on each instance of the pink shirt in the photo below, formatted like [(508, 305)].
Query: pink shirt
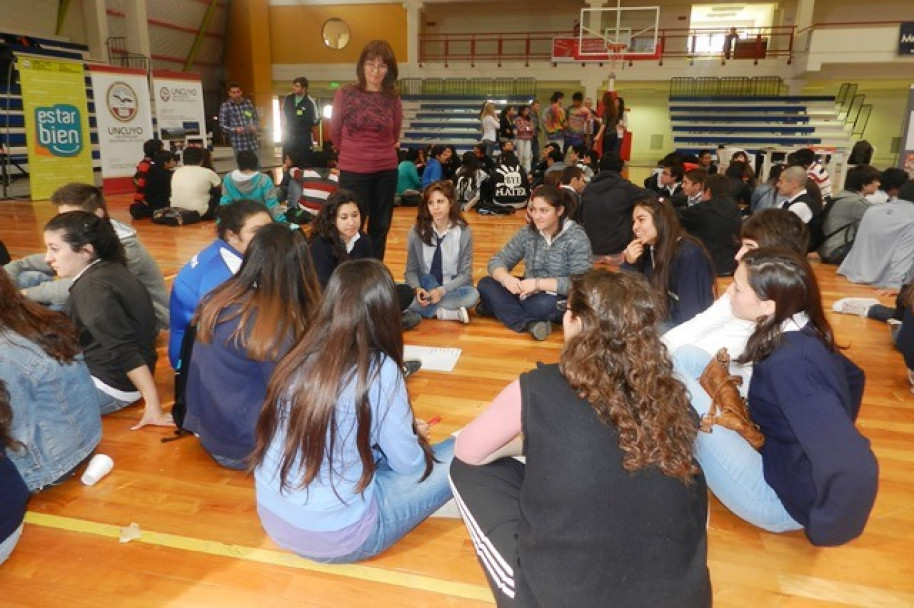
[(493, 428), (365, 127)]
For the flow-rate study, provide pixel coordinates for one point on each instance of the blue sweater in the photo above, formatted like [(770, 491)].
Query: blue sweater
[(805, 399), (204, 272), (225, 392), (432, 173), (691, 288)]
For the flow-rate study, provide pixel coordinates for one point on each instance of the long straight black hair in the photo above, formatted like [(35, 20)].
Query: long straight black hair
[(358, 324)]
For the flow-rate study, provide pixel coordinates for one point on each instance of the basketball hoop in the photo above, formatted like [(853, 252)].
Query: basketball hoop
[(615, 51)]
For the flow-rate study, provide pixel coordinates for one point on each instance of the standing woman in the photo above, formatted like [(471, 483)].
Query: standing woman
[(610, 509), (523, 126), (439, 257), (553, 247), (366, 128), (489, 126), (111, 310), (674, 262), (244, 327), (815, 471), (612, 125), (506, 130), (342, 467)]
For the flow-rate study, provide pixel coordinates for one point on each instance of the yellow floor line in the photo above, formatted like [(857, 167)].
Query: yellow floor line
[(266, 556)]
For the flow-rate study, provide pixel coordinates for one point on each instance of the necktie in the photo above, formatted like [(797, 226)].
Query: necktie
[(436, 261)]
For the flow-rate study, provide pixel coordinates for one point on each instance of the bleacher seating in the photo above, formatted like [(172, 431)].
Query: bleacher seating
[(752, 118)]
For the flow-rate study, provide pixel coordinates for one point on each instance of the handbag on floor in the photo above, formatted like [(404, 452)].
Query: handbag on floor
[(728, 408), (175, 216)]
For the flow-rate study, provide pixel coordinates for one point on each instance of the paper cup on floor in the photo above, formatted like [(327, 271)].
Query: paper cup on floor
[(99, 466)]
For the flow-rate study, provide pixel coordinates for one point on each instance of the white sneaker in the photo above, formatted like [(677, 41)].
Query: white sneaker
[(911, 379), (854, 306), (444, 314)]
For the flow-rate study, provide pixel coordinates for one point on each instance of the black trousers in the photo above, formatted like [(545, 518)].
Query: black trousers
[(375, 192), (489, 500)]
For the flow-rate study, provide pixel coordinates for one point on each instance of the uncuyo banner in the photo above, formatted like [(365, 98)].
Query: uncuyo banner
[(179, 105), (56, 123), (124, 120)]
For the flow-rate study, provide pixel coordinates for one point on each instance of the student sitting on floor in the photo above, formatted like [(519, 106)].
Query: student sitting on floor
[(553, 247), (238, 223), (55, 416), (111, 310), (38, 281), (439, 257), (244, 327), (610, 509), (195, 187), (803, 399), (674, 262), (246, 182), (15, 494), (342, 468)]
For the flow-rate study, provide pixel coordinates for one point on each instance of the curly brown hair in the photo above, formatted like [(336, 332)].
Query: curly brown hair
[(619, 365)]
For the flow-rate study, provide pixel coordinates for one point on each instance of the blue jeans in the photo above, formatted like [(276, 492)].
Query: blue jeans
[(733, 469), (462, 297), (9, 543), (108, 404), (513, 311), (403, 503)]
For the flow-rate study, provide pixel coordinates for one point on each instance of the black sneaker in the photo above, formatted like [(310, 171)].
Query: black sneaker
[(409, 319), (483, 311), (539, 329), (410, 367)]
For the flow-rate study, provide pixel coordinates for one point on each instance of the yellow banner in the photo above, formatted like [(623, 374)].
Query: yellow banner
[(56, 123)]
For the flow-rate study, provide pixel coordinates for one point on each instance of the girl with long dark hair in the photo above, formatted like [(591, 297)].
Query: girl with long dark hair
[(609, 501), (439, 257), (675, 263), (54, 412), (815, 471), (244, 327), (553, 247), (12, 487), (112, 311), (342, 467)]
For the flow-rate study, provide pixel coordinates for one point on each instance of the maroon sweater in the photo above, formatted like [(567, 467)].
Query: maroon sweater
[(366, 128)]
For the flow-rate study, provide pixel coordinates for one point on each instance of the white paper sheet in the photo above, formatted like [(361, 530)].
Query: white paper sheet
[(433, 359)]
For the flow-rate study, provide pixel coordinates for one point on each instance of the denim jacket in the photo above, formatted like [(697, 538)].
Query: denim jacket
[(55, 412)]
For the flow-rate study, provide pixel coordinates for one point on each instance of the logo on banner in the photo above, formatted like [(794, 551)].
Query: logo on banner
[(164, 94), (58, 131), (122, 101)]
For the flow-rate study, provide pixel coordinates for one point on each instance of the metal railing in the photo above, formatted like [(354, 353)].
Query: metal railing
[(728, 86), (119, 55), (469, 87), (690, 43)]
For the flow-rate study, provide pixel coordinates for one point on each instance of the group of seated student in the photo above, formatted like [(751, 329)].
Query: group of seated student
[(297, 375)]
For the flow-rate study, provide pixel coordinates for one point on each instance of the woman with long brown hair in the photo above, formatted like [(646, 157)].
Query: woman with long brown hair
[(55, 416), (342, 467), (675, 263), (439, 257), (365, 127), (609, 501), (244, 327), (815, 471)]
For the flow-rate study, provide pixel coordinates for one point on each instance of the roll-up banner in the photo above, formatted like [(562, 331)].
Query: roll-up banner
[(124, 119), (179, 105), (56, 123), (906, 156)]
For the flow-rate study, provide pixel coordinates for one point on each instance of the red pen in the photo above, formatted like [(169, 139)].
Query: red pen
[(433, 420)]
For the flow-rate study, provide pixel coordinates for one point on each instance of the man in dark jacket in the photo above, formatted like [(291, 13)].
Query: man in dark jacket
[(715, 221), (606, 210)]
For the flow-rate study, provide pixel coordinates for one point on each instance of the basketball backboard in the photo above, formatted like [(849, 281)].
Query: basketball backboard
[(636, 28)]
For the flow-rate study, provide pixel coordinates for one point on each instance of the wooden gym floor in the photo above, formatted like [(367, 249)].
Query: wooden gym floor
[(202, 544)]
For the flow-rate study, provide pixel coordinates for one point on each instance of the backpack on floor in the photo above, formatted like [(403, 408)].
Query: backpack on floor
[(175, 216), (179, 409)]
